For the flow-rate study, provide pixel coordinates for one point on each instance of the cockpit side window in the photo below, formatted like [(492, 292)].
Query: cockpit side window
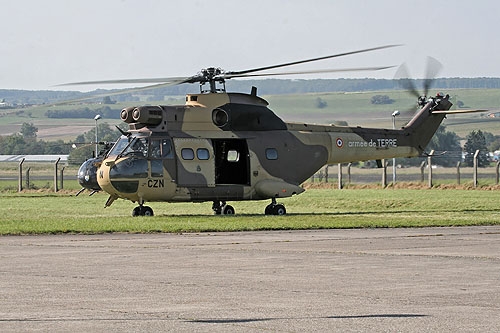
[(155, 154), (138, 148), (155, 149), (161, 148), (166, 148)]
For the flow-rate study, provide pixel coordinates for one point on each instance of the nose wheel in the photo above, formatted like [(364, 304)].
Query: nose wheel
[(142, 211), (275, 208), (221, 208)]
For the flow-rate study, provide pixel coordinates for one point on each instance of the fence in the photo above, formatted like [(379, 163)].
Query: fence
[(23, 174), (29, 174), (425, 173)]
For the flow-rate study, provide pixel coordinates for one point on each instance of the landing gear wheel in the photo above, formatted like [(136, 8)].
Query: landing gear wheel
[(217, 208), (275, 209), (147, 211), (269, 209), (279, 209), (228, 210), (137, 211), (142, 211)]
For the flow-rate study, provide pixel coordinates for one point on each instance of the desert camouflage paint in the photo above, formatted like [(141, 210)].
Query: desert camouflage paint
[(231, 146)]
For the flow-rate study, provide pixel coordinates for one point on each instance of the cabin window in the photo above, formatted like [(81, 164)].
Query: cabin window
[(202, 154), (187, 153), (271, 154), (233, 156)]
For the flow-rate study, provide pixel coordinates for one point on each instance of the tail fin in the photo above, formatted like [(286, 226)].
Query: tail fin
[(426, 122)]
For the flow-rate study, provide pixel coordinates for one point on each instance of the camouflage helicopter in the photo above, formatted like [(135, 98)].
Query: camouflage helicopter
[(222, 146)]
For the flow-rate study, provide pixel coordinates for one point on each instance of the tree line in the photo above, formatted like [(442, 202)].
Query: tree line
[(265, 86), (26, 143), (105, 112)]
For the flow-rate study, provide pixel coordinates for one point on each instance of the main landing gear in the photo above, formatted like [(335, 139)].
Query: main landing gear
[(142, 211), (222, 208), (219, 208), (275, 208)]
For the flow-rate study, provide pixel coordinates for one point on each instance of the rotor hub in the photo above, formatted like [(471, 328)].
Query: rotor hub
[(211, 75)]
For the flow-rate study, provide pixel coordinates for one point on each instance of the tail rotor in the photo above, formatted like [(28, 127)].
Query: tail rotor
[(433, 68)]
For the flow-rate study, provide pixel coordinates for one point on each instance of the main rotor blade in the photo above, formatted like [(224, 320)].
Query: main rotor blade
[(359, 69), (119, 92), (406, 115), (176, 80), (308, 60), (409, 112), (432, 70), (405, 81)]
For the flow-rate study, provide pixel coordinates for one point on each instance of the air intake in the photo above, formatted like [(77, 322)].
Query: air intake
[(149, 115)]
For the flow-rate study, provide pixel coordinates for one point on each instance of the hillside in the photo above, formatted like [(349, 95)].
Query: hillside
[(354, 107), (266, 87)]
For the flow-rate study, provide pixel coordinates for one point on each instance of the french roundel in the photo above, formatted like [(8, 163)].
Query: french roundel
[(340, 143)]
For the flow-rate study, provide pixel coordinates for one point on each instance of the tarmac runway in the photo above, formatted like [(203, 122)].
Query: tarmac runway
[(425, 279)]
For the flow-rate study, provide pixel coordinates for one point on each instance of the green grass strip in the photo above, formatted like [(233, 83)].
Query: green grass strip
[(43, 213)]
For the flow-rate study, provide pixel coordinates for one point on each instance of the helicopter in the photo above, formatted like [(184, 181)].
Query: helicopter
[(221, 146), (87, 172)]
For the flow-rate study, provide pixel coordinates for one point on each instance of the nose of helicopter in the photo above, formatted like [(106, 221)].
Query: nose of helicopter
[(103, 178), (121, 177)]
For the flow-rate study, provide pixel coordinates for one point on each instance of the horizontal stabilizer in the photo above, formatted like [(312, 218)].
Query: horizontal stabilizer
[(461, 111)]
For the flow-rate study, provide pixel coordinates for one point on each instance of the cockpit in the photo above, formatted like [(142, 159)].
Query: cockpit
[(145, 147), (138, 157)]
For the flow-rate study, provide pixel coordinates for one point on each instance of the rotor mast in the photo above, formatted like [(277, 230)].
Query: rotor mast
[(211, 75)]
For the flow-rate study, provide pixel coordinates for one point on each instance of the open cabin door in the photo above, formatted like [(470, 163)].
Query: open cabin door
[(195, 162), (232, 162)]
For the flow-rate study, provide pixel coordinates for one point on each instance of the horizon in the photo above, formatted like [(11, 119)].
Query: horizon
[(56, 41), (265, 79)]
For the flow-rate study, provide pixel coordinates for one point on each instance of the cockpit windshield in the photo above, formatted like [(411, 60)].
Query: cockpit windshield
[(137, 146), (119, 146)]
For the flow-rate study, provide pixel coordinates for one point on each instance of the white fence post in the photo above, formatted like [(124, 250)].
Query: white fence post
[(429, 165), (475, 167)]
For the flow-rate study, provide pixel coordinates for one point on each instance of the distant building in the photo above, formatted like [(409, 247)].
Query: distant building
[(4, 104)]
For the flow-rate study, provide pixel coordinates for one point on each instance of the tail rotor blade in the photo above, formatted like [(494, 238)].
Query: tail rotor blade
[(432, 70), (405, 81)]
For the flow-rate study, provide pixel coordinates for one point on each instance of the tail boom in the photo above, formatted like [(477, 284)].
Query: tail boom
[(351, 144)]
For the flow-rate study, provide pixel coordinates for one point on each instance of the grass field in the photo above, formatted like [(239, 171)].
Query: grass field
[(357, 109), (40, 213)]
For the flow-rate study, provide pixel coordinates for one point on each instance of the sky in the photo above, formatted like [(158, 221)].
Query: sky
[(44, 43)]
